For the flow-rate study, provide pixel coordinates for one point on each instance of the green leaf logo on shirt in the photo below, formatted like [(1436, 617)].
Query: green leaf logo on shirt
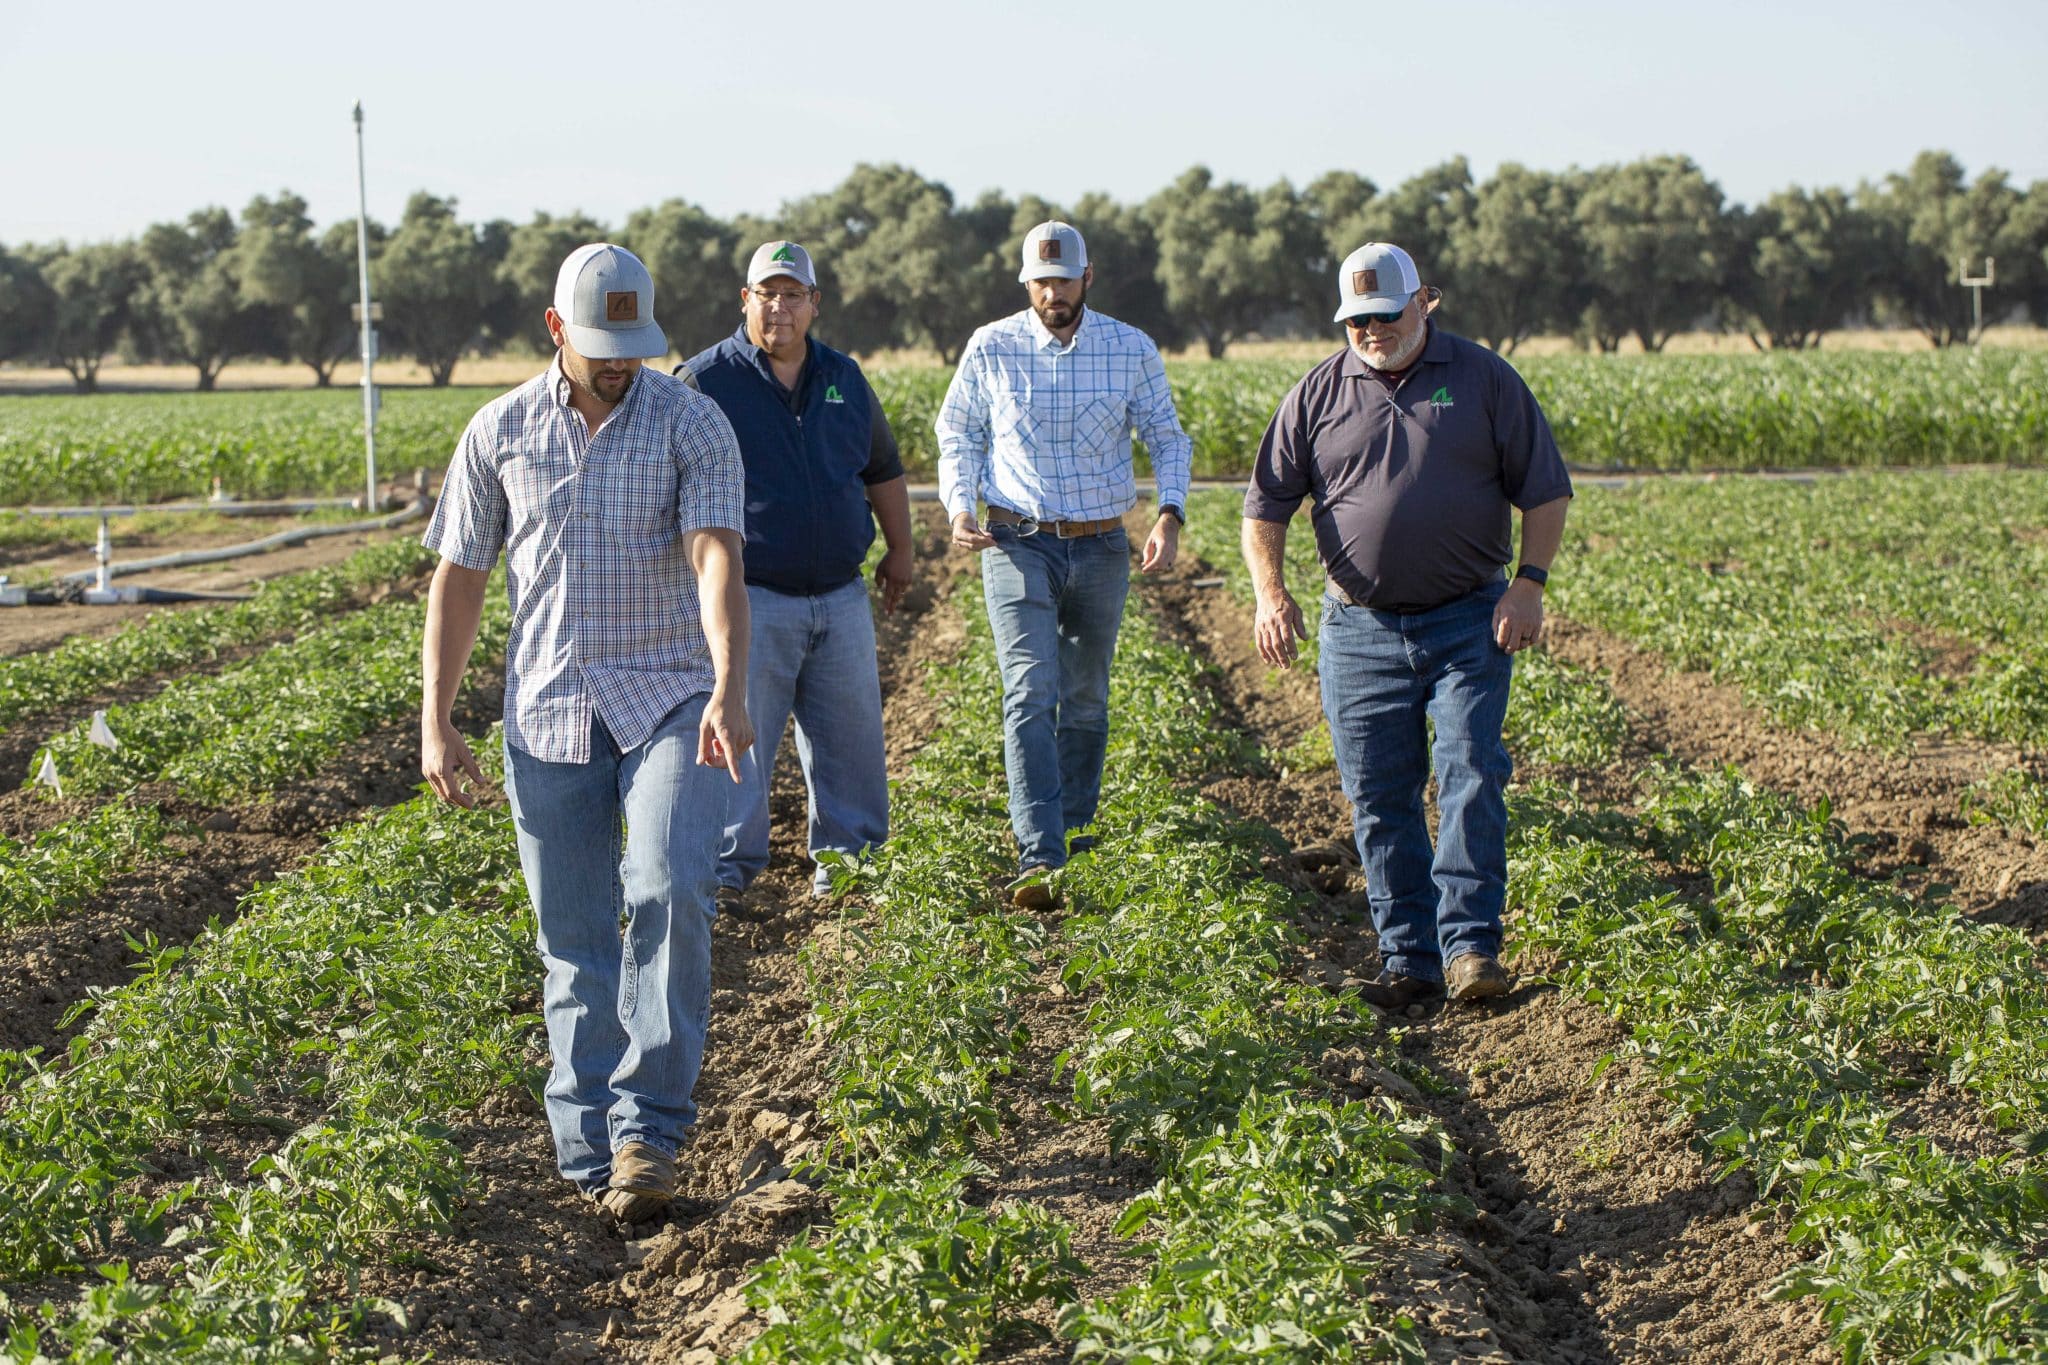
[(1441, 398), (832, 394)]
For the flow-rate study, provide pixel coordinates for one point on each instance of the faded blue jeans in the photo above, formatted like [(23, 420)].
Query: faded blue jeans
[(813, 656), (1384, 677), (1055, 607), (620, 855)]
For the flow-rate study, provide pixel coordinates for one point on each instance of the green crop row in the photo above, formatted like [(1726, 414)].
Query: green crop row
[(61, 868), (1789, 410), (1276, 1203), (921, 1002), (171, 640), (373, 991), (148, 447), (1875, 607), (1797, 1014), (2013, 797), (244, 732)]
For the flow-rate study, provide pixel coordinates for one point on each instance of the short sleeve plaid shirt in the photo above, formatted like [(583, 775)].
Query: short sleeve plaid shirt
[(1045, 429), (604, 602)]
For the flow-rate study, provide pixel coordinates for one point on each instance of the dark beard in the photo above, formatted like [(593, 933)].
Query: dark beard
[(1079, 305)]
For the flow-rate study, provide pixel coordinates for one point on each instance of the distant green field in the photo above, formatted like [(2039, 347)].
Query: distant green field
[(1780, 411)]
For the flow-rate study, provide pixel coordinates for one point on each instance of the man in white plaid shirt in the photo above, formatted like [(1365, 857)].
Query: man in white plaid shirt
[(616, 494), (1037, 424)]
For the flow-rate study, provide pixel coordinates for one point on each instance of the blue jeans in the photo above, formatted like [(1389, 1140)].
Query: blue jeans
[(1055, 607), (620, 855), (1384, 677), (814, 656)]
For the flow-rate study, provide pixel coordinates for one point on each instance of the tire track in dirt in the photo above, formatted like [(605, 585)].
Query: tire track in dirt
[(528, 1271), (1908, 804), (1601, 1234)]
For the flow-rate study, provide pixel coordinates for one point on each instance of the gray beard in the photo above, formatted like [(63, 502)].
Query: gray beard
[(1400, 360)]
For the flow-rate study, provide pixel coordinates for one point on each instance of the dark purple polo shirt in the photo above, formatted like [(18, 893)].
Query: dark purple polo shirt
[(1410, 486)]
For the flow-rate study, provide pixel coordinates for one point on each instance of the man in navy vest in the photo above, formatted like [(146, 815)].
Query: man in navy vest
[(822, 469)]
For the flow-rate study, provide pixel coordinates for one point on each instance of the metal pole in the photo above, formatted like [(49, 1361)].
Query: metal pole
[(1977, 284), (369, 336)]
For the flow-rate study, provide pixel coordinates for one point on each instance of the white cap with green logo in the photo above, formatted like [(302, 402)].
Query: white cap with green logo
[(781, 258), (1053, 250)]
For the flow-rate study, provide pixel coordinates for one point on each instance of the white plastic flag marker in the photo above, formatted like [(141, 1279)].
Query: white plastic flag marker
[(100, 734), (46, 776)]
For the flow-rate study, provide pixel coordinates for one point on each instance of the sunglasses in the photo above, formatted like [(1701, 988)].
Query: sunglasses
[(1363, 320)]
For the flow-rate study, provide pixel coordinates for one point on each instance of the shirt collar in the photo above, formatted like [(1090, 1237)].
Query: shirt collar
[(744, 344), (1046, 340)]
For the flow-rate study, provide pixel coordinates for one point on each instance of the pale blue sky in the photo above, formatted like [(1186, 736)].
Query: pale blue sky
[(124, 113)]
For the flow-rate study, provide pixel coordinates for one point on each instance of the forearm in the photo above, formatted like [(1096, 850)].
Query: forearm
[(722, 598), (890, 500), (961, 465), (455, 608), (1543, 532), (1265, 555)]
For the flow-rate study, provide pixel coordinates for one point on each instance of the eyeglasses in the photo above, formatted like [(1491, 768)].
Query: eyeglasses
[(788, 298), (1364, 320)]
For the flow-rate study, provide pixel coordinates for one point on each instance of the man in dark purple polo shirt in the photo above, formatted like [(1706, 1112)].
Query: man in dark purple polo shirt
[(1412, 445)]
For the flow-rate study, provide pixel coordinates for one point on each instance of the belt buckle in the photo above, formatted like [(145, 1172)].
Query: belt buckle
[(1059, 528)]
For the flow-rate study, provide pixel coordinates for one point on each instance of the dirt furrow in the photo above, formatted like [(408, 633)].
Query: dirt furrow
[(1907, 805), (1601, 1235)]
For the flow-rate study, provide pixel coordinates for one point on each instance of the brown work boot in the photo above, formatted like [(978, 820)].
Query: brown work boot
[(1476, 976), (643, 1182), (1391, 990), (1033, 889)]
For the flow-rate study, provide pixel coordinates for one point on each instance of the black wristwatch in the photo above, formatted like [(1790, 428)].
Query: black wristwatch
[(1535, 575), (1167, 509)]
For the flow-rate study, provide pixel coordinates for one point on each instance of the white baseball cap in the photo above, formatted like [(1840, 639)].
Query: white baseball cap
[(1053, 250), (1379, 277), (781, 258), (606, 301)]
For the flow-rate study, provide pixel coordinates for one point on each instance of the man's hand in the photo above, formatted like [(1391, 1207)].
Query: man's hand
[(445, 760), (968, 535), (1277, 627), (725, 733), (893, 574), (1518, 618), (1162, 546)]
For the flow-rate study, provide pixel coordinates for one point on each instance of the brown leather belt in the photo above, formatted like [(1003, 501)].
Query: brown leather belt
[(1065, 530)]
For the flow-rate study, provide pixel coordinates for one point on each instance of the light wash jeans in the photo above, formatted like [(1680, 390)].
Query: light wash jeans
[(1055, 607), (1384, 677), (814, 657), (620, 855)]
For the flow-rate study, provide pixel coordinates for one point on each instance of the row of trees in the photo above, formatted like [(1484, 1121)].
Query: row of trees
[(1645, 249)]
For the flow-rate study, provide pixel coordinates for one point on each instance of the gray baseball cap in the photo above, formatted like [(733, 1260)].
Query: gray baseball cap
[(781, 258), (606, 301), (1053, 249), (1379, 277)]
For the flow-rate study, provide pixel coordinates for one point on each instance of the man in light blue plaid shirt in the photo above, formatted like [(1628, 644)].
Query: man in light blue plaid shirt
[(616, 494), (1037, 425)]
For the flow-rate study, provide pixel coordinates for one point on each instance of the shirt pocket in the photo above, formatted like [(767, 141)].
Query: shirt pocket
[(1100, 425), (1011, 418), (636, 503), (538, 482)]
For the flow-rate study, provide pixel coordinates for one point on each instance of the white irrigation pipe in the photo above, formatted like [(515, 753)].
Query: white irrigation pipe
[(412, 512), (292, 507)]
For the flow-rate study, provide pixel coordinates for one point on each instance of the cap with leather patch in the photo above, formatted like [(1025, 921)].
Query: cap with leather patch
[(605, 298), (1379, 277), (1053, 250)]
